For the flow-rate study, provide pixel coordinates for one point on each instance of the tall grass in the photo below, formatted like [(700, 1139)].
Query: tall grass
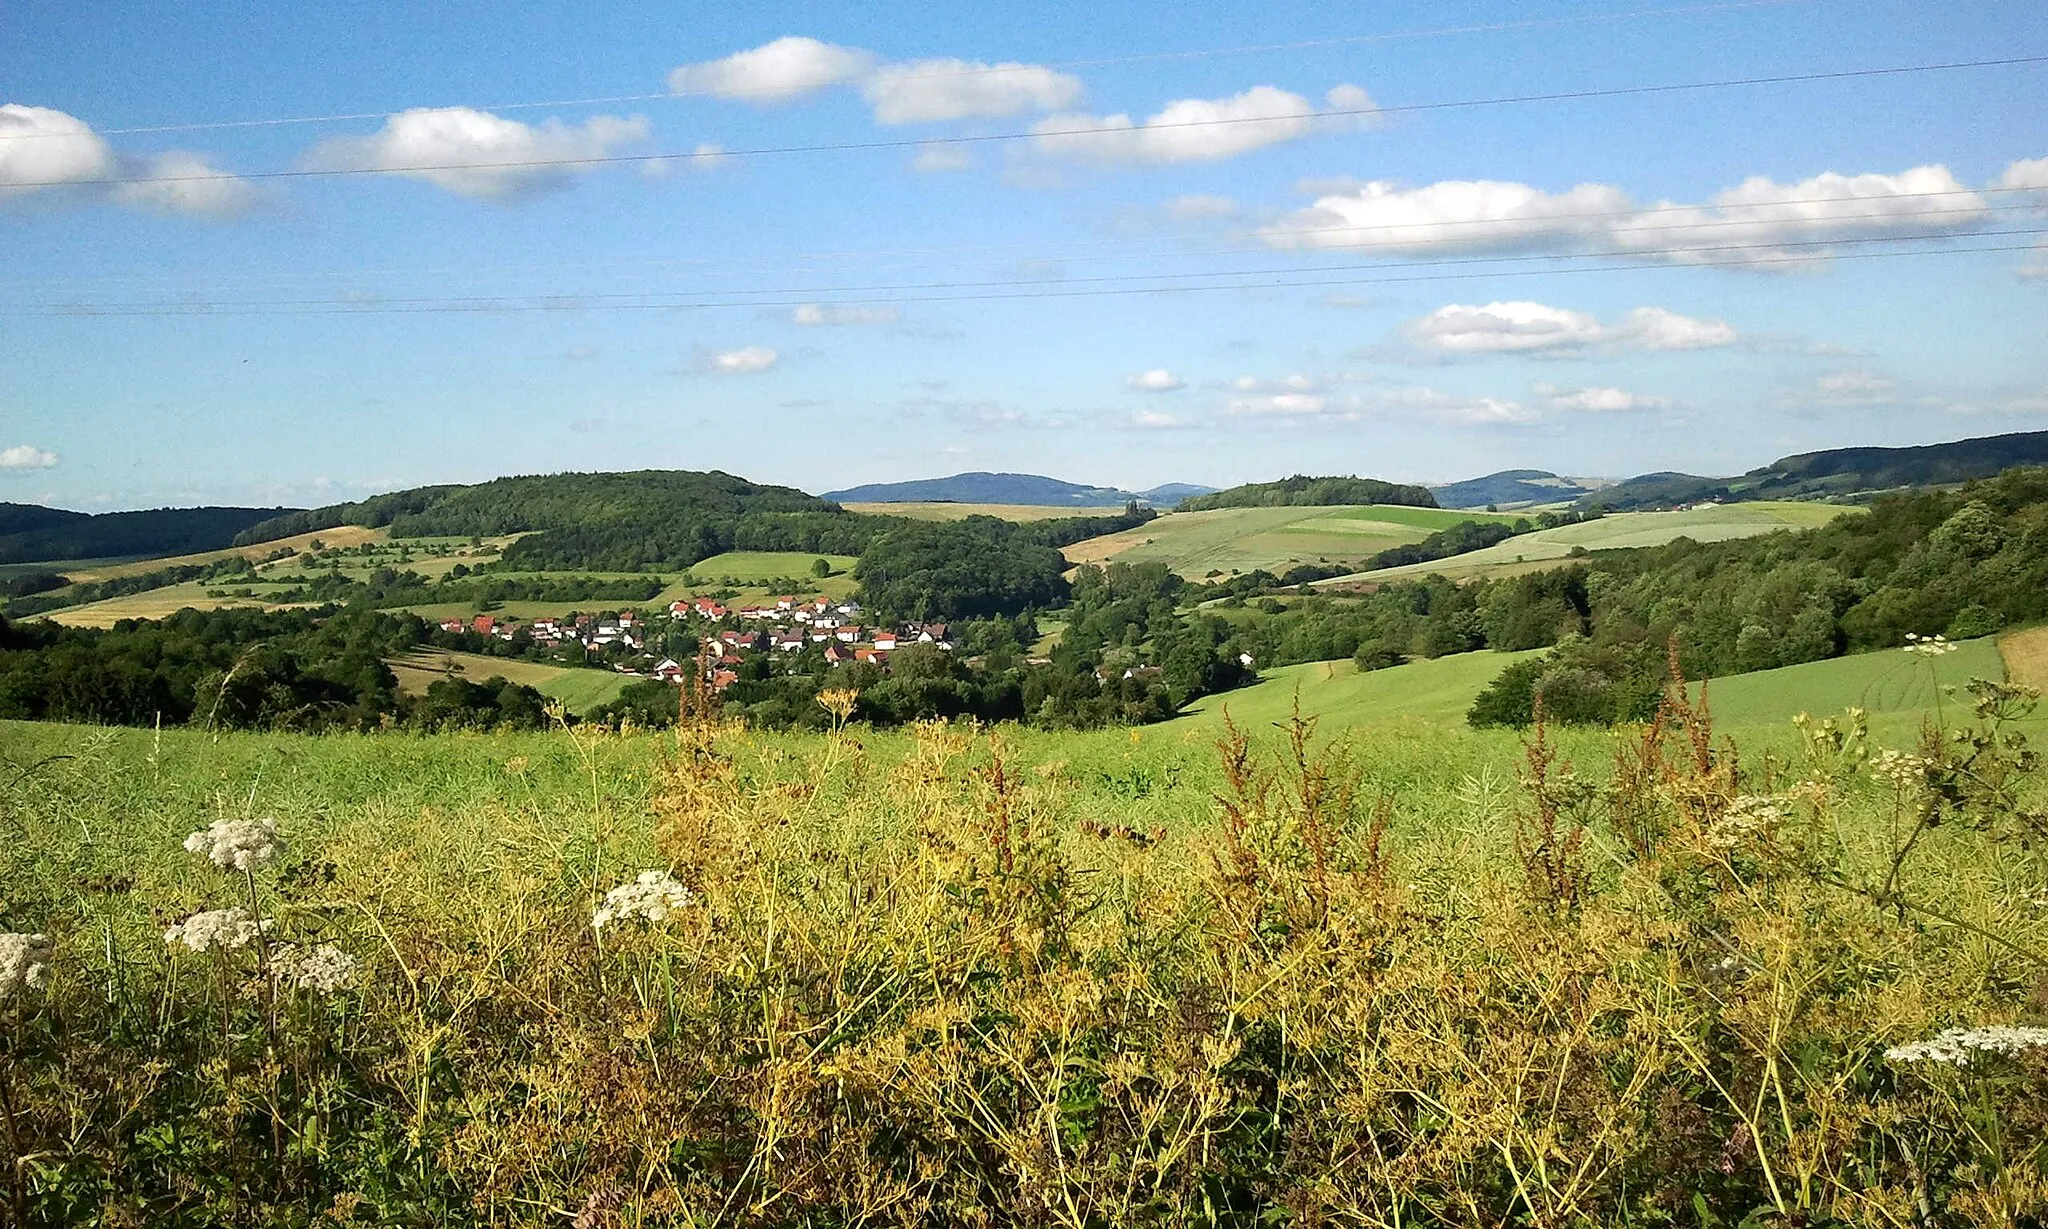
[(938, 985)]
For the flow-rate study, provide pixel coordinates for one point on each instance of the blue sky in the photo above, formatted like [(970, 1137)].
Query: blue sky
[(456, 284)]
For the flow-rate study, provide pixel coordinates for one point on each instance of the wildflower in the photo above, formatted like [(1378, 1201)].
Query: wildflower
[(225, 929), (651, 896), (1954, 1047), (1930, 646), (323, 969), (238, 844), (24, 963), (1747, 816), (1900, 770)]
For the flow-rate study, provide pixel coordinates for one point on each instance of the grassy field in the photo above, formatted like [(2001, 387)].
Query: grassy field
[(750, 573), (155, 604), (1615, 532), (947, 511), (941, 976), (1229, 540), (579, 690)]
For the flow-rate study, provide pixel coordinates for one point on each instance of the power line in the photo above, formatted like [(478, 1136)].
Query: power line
[(994, 290), (1050, 253), (982, 71), (1045, 134)]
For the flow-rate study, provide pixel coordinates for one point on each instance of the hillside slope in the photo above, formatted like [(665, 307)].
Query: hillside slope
[(30, 533), (1835, 472), (634, 521)]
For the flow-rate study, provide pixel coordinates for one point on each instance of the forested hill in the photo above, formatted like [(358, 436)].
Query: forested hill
[(612, 522), (986, 488), (33, 534), (1305, 491), (1508, 489), (1837, 471)]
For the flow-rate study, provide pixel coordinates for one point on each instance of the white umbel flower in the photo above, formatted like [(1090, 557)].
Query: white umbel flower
[(238, 844), (1955, 1047), (650, 897), (215, 929), (24, 963), (1748, 816), (322, 970)]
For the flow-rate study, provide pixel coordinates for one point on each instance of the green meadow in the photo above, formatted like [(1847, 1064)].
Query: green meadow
[(1227, 540), (1616, 531)]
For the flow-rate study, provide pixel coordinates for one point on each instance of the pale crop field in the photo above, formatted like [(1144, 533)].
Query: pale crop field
[(1228, 540), (341, 535), (1617, 531)]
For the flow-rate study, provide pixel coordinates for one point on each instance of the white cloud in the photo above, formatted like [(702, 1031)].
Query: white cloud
[(1760, 214), (832, 313), (25, 456), (787, 68), (467, 151), (927, 91), (1760, 217), (40, 146), (1459, 411), (1451, 214), (1296, 383), (1653, 328), (1498, 328), (747, 360), (1154, 420), (2026, 173), (1523, 327), (1284, 405), (938, 158), (1157, 380), (1607, 400), (187, 184), (1852, 387), (1189, 130)]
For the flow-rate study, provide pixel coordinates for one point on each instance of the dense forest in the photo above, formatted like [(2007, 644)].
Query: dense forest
[(33, 534), (1303, 490), (295, 669), (975, 568), (646, 520)]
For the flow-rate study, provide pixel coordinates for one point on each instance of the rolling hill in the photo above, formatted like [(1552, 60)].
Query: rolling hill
[(1616, 531), (1227, 540), (1033, 490), (30, 533), (1835, 472), (1513, 488)]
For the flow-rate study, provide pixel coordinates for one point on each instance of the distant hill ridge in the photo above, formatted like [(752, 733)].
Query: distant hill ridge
[(1512, 488), (30, 533), (1033, 490), (1836, 472), (1304, 491)]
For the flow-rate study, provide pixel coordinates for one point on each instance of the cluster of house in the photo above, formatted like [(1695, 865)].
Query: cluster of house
[(787, 625), (594, 632), (790, 625)]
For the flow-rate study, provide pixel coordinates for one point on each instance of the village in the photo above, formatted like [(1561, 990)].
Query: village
[(724, 635)]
